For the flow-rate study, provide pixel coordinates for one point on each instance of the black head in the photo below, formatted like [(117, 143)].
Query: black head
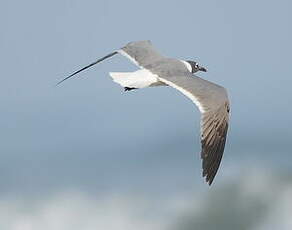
[(195, 67)]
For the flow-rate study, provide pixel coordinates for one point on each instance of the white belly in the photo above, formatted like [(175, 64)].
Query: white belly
[(139, 79)]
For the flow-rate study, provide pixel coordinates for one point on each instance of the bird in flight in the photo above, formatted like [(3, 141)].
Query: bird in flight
[(210, 98)]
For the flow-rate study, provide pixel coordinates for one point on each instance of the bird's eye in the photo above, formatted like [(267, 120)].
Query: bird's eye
[(197, 65)]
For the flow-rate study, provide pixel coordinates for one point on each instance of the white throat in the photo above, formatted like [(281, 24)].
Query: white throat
[(188, 65)]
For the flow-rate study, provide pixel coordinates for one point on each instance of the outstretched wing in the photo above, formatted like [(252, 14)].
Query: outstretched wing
[(213, 104), (141, 53), (214, 126), (211, 99)]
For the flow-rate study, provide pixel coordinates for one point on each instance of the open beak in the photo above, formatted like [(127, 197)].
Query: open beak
[(202, 69)]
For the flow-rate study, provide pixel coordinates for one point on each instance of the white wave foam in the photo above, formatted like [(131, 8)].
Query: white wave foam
[(259, 200)]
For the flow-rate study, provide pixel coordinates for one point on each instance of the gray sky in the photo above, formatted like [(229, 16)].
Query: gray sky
[(89, 135)]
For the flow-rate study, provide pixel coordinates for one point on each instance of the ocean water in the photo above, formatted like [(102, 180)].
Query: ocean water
[(256, 199)]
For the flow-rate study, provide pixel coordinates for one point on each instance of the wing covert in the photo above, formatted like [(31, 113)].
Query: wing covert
[(141, 53), (213, 103)]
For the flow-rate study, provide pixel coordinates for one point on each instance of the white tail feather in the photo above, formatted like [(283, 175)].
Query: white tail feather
[(124, 79), (138, 79)]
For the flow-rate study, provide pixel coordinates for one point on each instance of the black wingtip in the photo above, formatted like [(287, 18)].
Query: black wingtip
[(86, 67), (209, 181), (64, 79)]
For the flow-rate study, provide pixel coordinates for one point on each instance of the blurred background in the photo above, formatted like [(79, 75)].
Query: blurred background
[(87, 155)]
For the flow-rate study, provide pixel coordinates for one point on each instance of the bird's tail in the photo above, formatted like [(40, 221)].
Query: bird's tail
[(138, 79), (124, 79)]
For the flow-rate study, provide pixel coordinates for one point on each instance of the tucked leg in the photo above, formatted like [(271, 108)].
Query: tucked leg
[(129, 88)]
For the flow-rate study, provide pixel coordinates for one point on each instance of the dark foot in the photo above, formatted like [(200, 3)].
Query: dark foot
[(129, 88)]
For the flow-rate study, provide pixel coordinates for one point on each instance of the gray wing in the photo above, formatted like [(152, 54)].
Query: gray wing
[(141, 53), (213, 104)]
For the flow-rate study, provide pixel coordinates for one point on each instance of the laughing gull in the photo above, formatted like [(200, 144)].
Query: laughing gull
[(211, 99)]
